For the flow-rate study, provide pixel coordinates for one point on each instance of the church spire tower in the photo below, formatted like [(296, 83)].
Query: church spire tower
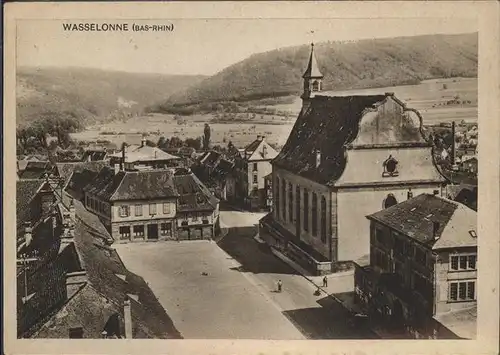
[(312, 80)]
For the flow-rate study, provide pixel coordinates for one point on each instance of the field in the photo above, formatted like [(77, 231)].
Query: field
[(439, 100)]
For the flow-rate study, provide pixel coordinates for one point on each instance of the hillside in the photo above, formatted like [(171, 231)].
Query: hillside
[(347, 65), (91, 95)]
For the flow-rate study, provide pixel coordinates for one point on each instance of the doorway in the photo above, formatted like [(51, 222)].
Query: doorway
[(153, 231)]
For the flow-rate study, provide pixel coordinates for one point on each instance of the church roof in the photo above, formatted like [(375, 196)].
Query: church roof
[(327, 126), (312, 70)]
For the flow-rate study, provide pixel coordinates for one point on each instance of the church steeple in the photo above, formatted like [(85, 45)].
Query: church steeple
[(312, 79)]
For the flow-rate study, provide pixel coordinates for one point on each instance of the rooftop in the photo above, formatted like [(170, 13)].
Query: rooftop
[(35, 170), (456, 224), (259, 149), (132, 185), (136, 153), (462, 322)]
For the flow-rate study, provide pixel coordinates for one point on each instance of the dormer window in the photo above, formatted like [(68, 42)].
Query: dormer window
[(315, 85), (390, 167)]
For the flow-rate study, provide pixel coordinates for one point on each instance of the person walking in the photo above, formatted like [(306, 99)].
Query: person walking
[(325, 282), (280, 285)]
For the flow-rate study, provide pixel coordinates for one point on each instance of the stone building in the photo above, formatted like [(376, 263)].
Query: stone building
[(346, 157), (252, 167), (134, 205), (422, 273)]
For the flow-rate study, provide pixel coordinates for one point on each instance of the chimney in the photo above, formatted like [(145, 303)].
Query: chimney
[(127, 315), (436, 192), (409, 195), (318, 158), (117, 168), (260, 138), (89, 157), (74, 281), (435, 228), (143, 141), (28, 233)]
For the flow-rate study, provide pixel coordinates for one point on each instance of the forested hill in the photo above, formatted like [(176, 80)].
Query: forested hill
[(90, 94), (345, 65)]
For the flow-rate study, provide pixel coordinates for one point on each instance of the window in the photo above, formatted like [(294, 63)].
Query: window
[(462, 291), (389, 201), (255, 179), (306, 210), (124, 232), (124, 211), (463, 262), (138, 210), (166, 208), (195, 217), (88, 201), (76, 333), (323, 219), (314, 211), (290, 202), (152, 208), (138, 231), (166, 228), (255, 166), (297, 207)]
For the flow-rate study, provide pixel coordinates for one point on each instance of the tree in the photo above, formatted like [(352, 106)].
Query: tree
[(206, 137), (161, 142)]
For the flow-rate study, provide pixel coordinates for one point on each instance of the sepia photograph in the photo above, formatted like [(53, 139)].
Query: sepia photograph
[(247, 178)]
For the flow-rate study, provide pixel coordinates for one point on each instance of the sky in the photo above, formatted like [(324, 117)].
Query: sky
[(201, 46)]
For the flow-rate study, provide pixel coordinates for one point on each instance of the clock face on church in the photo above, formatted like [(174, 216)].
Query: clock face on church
[(390, 166)]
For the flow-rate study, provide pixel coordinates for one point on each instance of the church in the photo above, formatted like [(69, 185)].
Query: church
[(345, 158)]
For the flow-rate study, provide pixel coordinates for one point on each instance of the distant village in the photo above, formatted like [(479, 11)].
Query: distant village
[(356, 187)]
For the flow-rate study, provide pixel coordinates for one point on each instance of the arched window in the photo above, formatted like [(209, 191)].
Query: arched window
[(323, 219), (314, 211), (290, 202), (390, 167), (283, 199), (315, 85), (389, 201), (306, 210), (277, 197)]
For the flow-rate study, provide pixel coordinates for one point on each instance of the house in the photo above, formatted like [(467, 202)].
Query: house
[(346, 157), (135, 205), (197, 209), (95, 155), (254, 164), (65, 170), (85, 291), (422, 271), (143, 157)]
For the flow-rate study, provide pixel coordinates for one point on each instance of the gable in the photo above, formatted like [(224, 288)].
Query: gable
[(389, 123), (258, 153)]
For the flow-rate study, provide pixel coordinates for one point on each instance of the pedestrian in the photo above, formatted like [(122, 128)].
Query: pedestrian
[(325, 282), (280, 285)]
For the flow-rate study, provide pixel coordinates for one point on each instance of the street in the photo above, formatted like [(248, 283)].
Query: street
[(228, 289)]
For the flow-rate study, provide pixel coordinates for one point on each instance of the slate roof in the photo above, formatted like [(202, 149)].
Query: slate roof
[(210, 158), (415, 218), (132, 185), (193, 194), (328, 125), (35, 170)]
